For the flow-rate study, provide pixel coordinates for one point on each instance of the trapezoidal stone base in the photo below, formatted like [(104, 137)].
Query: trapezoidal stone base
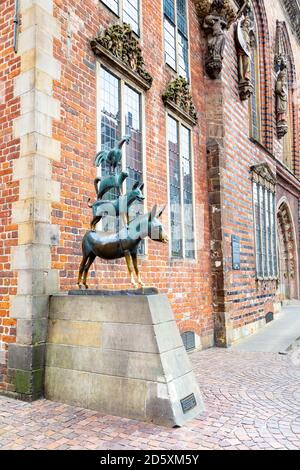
[(122, 356)]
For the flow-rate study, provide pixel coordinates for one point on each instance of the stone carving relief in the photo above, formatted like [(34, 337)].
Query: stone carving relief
[(263, 175), (281, 85), (179, 97), (215, 16), (245, 42), (119, 42)]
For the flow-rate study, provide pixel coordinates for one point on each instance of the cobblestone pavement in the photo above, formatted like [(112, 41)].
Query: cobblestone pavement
[(252, 401)]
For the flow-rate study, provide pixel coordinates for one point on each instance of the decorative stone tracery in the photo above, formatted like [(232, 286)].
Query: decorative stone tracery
[(287, 252), (178, 97), (264, 176), (119, 46)]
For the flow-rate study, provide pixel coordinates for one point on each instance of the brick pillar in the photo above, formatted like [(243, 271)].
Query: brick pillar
[(32, 257), (215, 164)]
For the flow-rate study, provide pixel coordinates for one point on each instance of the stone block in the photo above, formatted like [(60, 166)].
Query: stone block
[(38, 282), (37, 144), (130, 337), (28, 383), (33, 165), (31, 257), (39, 189), (100, 357), (46, 5), (24, 83), (26, 358), (87, 334), (38, 15), (118, 363), (38, 101), (141, 310), (32, 331), (39, 233), (27, 307), (68, 386), (29, 210)]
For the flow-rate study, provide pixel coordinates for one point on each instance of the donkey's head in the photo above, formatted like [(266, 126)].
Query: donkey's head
[(155, 229)]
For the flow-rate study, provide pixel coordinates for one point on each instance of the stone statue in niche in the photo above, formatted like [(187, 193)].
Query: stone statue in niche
[(281, 90), (214, 25), (245, 42), (215, 17)]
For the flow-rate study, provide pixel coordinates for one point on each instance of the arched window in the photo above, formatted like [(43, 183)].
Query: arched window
[(254, 103), (285, 80), (287, 150)]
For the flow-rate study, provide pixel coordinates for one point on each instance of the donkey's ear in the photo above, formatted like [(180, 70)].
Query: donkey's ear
[(142, 186), (136, 185), (153, 213), (161, 211)]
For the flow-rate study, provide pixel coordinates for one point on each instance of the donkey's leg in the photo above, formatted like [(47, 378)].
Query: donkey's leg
[(81, 269), (130, 270), (89, 262), (136, 268)]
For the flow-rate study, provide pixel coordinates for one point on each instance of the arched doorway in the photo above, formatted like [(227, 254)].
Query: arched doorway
[(287, 254)]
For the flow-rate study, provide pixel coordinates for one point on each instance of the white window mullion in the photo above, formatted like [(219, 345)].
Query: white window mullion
[(181, 190)]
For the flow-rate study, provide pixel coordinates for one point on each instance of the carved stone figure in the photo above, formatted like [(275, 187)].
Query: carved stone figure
[(215, 16), (119, 40), (245, 41), (214, 25), (178, 93), (281, 91)]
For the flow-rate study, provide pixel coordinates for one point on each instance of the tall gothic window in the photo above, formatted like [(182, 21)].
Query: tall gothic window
[(176, 36), (289, 137), (121, 114), (255, 111), (181, 190), (265, 227), (127, 10)]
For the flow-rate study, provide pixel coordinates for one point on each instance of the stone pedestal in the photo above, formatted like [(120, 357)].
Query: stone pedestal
[(120, 355)]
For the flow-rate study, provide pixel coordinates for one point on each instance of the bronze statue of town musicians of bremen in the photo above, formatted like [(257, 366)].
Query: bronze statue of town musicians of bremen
[(125, 241)]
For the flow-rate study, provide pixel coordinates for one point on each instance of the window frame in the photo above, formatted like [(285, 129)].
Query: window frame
[(270, 258), (177, 34), (180, 123), (120, 13), (123, 81)]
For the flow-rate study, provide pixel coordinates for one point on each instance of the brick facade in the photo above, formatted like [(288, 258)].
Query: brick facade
[(207, 296)]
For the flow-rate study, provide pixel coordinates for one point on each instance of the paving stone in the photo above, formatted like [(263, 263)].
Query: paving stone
[(251, 403)]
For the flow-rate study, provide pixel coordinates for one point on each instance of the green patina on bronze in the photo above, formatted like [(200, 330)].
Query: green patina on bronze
[(125, 240)]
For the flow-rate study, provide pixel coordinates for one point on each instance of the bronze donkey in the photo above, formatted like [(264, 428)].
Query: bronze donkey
[(123, 244)]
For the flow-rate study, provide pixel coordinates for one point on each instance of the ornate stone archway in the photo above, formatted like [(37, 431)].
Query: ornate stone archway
[(287, 251)]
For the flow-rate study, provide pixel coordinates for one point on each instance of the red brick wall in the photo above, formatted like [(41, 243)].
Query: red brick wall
[(186, 283), (9, 150), (247, 299)]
